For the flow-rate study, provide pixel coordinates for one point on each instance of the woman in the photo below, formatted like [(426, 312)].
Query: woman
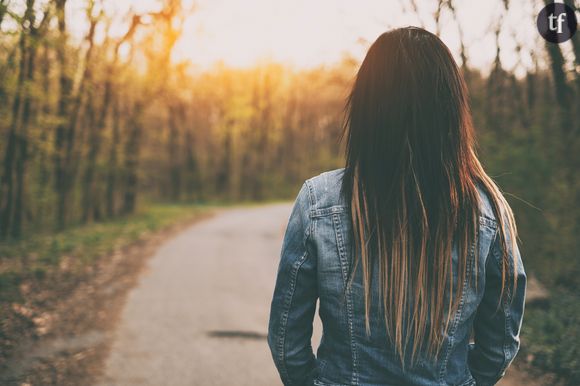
[(410, 249)]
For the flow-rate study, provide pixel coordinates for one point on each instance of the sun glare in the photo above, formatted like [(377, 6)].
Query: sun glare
[(305, 33), (240, 33)]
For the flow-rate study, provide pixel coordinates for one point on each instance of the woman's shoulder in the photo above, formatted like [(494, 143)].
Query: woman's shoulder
[(325, 189), (487, 214), (324, 192)]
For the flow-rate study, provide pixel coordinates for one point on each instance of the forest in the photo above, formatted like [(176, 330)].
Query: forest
[(94, 127)]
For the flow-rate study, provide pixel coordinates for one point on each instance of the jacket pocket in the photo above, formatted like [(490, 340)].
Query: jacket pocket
[(321, 383), (468, 382)]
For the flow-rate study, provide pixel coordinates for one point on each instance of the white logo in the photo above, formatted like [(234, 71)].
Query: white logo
[(559, 19)]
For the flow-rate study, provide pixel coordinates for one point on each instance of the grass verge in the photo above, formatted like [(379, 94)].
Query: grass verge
[(40, 256)]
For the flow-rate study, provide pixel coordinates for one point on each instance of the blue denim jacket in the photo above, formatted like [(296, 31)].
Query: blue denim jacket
[(314, 265)]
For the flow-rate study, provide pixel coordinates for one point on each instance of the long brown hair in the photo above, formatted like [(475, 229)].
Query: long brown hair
[(411, 182)]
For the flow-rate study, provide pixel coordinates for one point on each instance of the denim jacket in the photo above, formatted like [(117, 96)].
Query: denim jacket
[(314, 265)]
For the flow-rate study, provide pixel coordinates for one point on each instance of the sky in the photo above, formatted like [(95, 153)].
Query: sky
[(308, 33)]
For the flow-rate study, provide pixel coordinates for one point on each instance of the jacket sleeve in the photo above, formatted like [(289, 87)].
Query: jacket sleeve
[(497, 329), (294, 301)]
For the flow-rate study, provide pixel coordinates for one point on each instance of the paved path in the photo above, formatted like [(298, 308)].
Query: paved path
[(199, 314)]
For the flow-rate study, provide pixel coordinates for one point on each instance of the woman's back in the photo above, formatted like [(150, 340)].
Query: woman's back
[(346, 355)]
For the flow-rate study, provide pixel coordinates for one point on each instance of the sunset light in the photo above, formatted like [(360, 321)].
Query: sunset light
[(308, 33), (305, 33)]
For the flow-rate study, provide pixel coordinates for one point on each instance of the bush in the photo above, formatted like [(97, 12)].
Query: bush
[(551, 336)]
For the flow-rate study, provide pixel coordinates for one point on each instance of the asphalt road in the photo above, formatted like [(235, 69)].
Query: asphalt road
[(199, 314)]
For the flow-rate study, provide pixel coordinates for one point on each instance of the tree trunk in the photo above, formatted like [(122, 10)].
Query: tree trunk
[(15, 156), (112, 161), (192, 173), (88, 185), (90, 199), (132, 148), (174, 154), (44, 161), (22, 159), (65, 83)]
